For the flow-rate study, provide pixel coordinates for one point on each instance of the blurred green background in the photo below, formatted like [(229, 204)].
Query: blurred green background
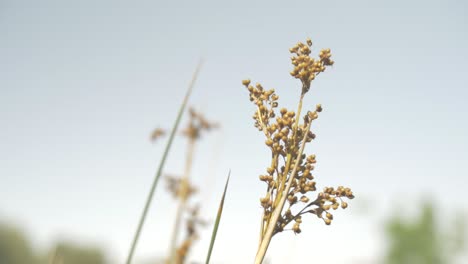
[(16, 248), (425, 238)]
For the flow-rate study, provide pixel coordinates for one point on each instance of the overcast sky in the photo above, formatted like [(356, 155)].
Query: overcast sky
[(83, 83)]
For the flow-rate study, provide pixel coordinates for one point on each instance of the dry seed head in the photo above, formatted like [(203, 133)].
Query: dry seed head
[(304, 199), (335, 206), (180, 188), (285, 136), (270, 170), (296, 228), (263, 177), (197, 124), (305, 67), (273, 184), (318, 108), (157, 133), (192, 226)]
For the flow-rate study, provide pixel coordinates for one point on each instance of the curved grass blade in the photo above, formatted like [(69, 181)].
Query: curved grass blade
[(218, 218), (161, 165)]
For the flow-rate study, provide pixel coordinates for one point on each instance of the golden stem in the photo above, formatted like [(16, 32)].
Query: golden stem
[(277, 212), (289, 156), (184, 189), (274, 164)]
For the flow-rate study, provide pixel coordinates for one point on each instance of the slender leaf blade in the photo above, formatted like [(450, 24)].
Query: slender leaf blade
[(161, 165), (218, 219)]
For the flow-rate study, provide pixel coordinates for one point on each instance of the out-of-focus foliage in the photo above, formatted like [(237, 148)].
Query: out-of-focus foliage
[(14, 246), (69, 253), (423, 240)]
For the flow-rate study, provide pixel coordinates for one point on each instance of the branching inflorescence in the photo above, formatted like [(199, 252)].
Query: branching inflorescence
[(289, 176), (182, 189)]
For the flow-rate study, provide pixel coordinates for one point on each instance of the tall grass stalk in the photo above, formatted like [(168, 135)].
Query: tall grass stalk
[(289, 177), (182, 190), (161, 166), (268, 235), (182, 202)]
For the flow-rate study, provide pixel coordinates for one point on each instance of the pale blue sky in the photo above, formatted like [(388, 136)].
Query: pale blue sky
[(83, 83)]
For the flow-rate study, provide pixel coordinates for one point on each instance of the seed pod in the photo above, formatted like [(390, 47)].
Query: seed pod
[(270, 170), (311, 77), (344, 205), (335, 206), (318, 108), (296, 229)]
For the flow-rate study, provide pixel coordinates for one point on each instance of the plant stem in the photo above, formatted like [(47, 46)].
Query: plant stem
[(55, 256), (289, 157), (160, 168), (183, 192), (277, 212)]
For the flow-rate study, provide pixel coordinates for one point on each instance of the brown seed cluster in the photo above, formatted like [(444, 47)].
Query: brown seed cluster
[(182, 189), (331, 198), (157, 133), (285, 134), (178, 189), (197, 123), (194, 222), (305, 67)]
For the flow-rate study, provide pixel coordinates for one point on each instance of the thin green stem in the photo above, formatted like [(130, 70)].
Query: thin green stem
[(218, 219)]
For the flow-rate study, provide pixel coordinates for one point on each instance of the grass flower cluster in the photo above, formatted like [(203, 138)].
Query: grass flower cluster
[(182, 189), (291, 187), (289, 177)]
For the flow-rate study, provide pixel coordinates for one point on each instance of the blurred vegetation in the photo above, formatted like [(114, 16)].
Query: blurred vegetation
[(422, 240), (68, 253), (15, 248)]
